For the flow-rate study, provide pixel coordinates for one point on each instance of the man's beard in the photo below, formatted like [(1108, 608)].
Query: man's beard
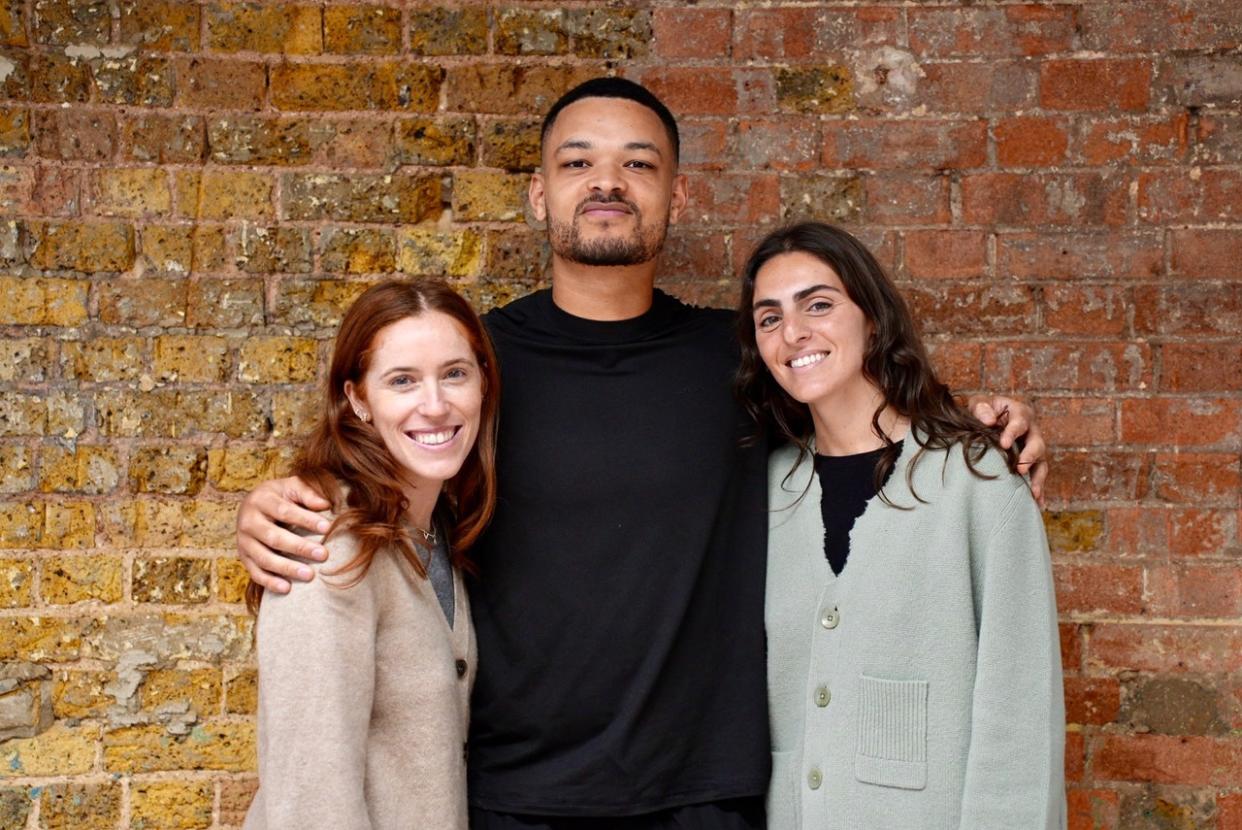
[(640, 246)]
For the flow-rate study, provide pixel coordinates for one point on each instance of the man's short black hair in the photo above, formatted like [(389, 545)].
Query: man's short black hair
[(616, 88)]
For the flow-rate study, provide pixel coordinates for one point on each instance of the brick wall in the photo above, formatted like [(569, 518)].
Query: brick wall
[(192, 193)]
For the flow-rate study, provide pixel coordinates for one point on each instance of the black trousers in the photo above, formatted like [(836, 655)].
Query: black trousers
[(734, 814)]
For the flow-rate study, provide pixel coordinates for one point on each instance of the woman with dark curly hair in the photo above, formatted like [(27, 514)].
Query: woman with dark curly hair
[(914, 670), (365, 672)]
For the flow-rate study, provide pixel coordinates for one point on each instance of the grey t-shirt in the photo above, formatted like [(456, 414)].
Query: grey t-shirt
[(440, 572)]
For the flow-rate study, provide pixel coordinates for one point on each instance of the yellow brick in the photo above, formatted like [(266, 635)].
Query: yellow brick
[(278, 360), (172, 580), (170, 805), (388, 85), (238, 469), (65, 414), (367, 30), (82, 469), (211, 745), (171, 637), (15, 802), (231, 580), (50, 302), (132, 191), (81, 694), (293, 413), (40, 639), (21, 524), (431, 252), (16, 577), (175, 469), (69, 579), (160, 25), (101, 359), (242, 693), (235, 797), (264, 27), (83, 247), (162, 523), (224, 194), (480, 195), (61, 750), (170, 248), (200, 688), (69, 525), (16, 472), (358, 251), (1074, 531), (75, 806), (321, 303), (191, 358)]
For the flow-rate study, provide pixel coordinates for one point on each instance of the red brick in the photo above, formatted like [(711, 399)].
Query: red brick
[(1012, 30), (733, 198), (957, 364), (1207, 253), (56, 191), (1137, 531), (698, 91), (58, 80), (1079, 255), (1189, 309), (1018, 199), (1194, 532), (1168, 759), (1068, 365), (1086, 589), (1086, 309), (776, 33), (907, 199), (1077, 422), (1105, 85), (913, 145), (1071, 646), (757, 90), (971, 308), (690, 255), (1092, 809), (1194, 590), (777, 143), (1141, 140), (1200, 479), (692, 33), (1030, 141), (1219, 139), (75, 135), (220, 84), (1160, 25), (1105, 475), (1092, 700), (971, 87), (1184, 422), (1222, 195), (506, 89), (1229, 811), (1201, 367), (1165, 649), (945, 254)]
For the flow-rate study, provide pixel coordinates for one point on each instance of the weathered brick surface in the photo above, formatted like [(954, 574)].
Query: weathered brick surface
[(194, 192)]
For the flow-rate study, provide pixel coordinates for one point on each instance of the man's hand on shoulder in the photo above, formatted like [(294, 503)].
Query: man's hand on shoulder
[(264, 542), (1018, 420)]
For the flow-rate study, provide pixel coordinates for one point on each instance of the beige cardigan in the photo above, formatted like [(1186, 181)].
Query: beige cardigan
[(363, 701)]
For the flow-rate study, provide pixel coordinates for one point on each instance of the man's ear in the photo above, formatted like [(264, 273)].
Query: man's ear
[(680, 199), (535, 194)]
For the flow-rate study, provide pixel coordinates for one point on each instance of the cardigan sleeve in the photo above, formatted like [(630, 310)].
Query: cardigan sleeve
[(316, 654), (1015, 766)]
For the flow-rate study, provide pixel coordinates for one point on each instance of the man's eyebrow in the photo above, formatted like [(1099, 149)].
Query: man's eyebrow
[(643, 145), (575, 144)]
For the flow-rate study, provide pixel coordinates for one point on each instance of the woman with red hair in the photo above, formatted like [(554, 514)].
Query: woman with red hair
[(362, 723)]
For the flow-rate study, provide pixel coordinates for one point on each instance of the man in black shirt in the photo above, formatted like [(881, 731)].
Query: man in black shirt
[(620, 602)]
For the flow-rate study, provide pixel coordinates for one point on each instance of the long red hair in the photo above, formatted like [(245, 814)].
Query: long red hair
[(342, 450)]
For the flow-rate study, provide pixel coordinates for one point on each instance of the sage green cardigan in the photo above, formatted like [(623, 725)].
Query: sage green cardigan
[(921, 688)]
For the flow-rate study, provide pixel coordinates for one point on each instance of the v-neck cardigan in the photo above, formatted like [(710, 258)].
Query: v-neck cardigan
[(364, 698), (921, 687)]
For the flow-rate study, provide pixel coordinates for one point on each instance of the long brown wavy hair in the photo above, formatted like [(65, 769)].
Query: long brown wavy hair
[(895, 361), (346, 460)]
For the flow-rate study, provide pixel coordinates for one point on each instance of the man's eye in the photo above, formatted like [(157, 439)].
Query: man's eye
[(643, 165), (576, 163)]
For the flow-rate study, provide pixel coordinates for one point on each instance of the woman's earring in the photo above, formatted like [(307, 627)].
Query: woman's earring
[(362, 416)]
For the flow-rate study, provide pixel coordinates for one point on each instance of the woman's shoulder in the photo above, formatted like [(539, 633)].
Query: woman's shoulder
[(981, 468)]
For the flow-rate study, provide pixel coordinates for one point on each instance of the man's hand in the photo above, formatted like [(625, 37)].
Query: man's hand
[(264, 546), (1018, 420)]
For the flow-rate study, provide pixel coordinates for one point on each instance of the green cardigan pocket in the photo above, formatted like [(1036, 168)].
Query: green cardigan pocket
[(892, 733)]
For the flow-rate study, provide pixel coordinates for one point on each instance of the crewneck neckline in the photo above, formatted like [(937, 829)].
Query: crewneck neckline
[(653, 321)]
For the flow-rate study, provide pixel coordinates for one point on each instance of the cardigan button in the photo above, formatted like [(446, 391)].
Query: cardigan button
[(830, 618), (461, 668), (815, 778), (822, 696)]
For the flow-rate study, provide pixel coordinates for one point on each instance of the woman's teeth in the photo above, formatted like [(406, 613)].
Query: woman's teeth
[(807, 360), (432, 439)]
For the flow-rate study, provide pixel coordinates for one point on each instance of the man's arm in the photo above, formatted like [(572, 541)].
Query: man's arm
[(1018, 420), (264, 546)]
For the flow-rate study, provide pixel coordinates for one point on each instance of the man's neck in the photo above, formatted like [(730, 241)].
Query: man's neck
[(595, 292)]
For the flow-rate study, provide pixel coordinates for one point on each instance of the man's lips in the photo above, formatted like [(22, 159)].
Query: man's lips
[(606, 209)]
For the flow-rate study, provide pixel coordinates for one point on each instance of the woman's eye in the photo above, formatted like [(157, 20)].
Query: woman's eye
[(455, 374), (401, 380), (820, 305), (768, 321)]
